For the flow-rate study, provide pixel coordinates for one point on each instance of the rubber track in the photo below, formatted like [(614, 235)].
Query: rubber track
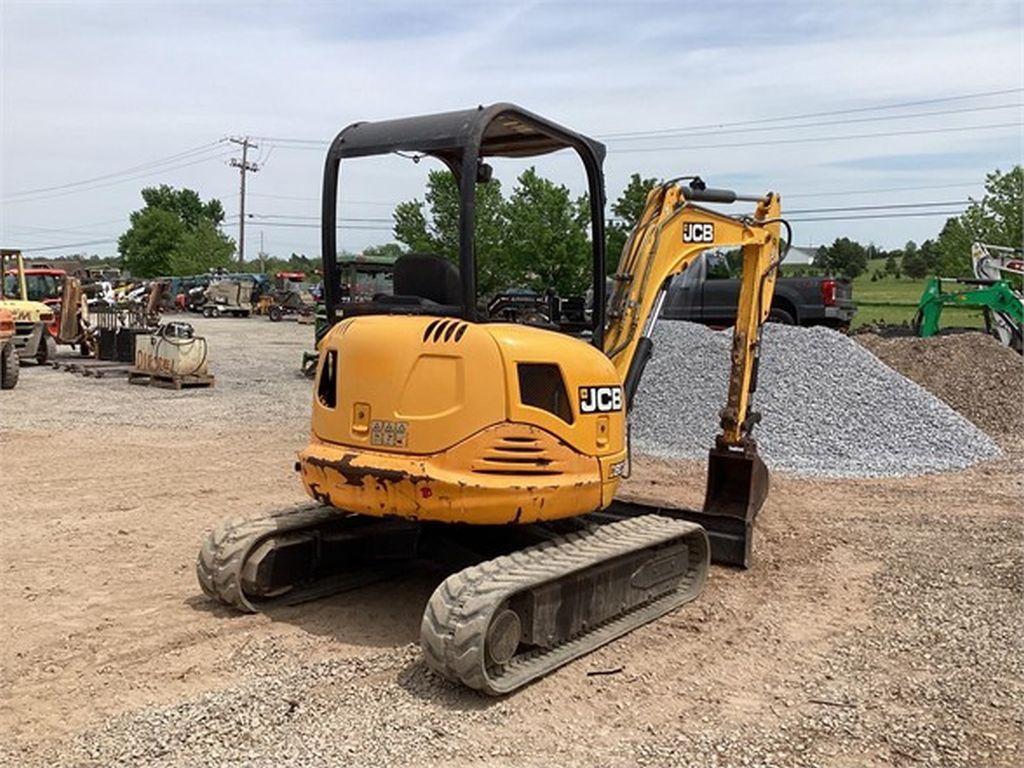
[(456, 619), (225, 550)]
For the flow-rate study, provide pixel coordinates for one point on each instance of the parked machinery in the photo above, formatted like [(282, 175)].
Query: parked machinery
[(996, 289), (438, 432), (32, 319), (228, 296), (290, 296)]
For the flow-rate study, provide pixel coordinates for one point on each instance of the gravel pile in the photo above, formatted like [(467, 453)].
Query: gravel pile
[(829, 407), (972, 372)]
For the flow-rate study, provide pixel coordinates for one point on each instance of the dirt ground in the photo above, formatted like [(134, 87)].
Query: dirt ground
[(881, 624)]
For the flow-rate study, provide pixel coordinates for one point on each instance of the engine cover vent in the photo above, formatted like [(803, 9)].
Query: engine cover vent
[(541, 386)]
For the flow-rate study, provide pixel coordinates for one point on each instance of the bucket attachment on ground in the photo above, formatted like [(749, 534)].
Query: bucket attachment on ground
[(737, 486)]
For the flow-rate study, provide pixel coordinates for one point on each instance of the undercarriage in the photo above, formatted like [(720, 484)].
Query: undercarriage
[(523, 600)]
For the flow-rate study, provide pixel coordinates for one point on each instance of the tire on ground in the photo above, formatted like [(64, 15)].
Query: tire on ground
[(47, 349), (782, 316), (8, 366)]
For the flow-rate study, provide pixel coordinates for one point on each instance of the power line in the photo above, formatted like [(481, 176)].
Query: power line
[(297, 225), (316, 218), (71, 230), (879, 207), (670, 132), (762, 143), (69, 245), (118, 181), (875, 190), (829, 113), (317, 199), (686, 134), (202, 149), (902, 215), (810, 139)]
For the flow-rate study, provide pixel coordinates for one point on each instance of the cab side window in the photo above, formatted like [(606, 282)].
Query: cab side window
[(718, 267)]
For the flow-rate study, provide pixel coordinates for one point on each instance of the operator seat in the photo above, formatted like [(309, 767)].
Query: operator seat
[(427, 276)]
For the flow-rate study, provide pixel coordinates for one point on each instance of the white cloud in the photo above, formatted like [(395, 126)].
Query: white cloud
[(92, 88)]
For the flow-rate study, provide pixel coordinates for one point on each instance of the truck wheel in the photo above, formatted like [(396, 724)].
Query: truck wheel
[(781, 316), (206, 311), (8, 366), (47, 349), (214, 312), (275, 314)]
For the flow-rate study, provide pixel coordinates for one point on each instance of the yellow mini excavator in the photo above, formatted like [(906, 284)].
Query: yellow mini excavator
[(441, 433)]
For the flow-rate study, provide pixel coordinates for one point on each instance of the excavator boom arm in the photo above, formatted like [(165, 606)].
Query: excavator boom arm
[(672, 233)]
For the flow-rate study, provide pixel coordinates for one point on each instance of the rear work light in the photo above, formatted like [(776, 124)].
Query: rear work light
[(828, 292)]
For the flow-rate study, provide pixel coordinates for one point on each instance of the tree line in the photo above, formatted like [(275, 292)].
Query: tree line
[(538, 236), (995, 219)]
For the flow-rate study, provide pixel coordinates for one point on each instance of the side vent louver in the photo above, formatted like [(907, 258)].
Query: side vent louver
[(541, 385), (327, 386), (444, 330)]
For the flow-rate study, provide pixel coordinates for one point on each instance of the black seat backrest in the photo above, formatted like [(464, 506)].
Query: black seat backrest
[(428, 276)]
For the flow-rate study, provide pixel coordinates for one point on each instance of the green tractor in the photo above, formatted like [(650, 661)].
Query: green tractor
[(992, 290)]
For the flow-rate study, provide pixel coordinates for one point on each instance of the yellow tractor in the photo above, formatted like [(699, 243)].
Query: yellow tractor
[(32, 336), (441, 433)]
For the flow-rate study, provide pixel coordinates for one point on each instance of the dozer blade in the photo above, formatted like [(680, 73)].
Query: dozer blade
[(736, 489)]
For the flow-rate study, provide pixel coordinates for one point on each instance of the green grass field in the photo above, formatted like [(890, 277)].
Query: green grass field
[(894, 300)]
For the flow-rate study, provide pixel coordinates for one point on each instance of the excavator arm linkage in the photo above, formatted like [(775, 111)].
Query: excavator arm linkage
[(672, 233)]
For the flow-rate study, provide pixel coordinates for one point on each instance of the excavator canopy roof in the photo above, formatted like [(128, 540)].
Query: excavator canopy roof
[(501, 129)]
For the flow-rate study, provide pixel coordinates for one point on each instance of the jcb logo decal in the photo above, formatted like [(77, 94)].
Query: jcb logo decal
[(696, 232), (600, 399)]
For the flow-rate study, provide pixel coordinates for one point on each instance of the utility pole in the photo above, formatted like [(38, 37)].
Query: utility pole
[(243, 166), (262, 255)]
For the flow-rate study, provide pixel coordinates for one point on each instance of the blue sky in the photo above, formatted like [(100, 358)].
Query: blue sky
[(89, 89)]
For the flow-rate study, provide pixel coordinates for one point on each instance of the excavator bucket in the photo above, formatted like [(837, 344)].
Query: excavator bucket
[(736, 489)]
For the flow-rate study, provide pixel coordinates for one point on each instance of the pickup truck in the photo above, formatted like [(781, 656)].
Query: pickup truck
[(707, 293)]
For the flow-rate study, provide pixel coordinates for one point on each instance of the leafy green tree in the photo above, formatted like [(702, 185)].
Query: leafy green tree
[(387, 250), (186, 203), (912, 262), (995, 219), (433, 227), (147, 246), (892, 266), (200, 249), (175, 233), (931, 255), (546, 235), (845, 257), (627, 211)]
